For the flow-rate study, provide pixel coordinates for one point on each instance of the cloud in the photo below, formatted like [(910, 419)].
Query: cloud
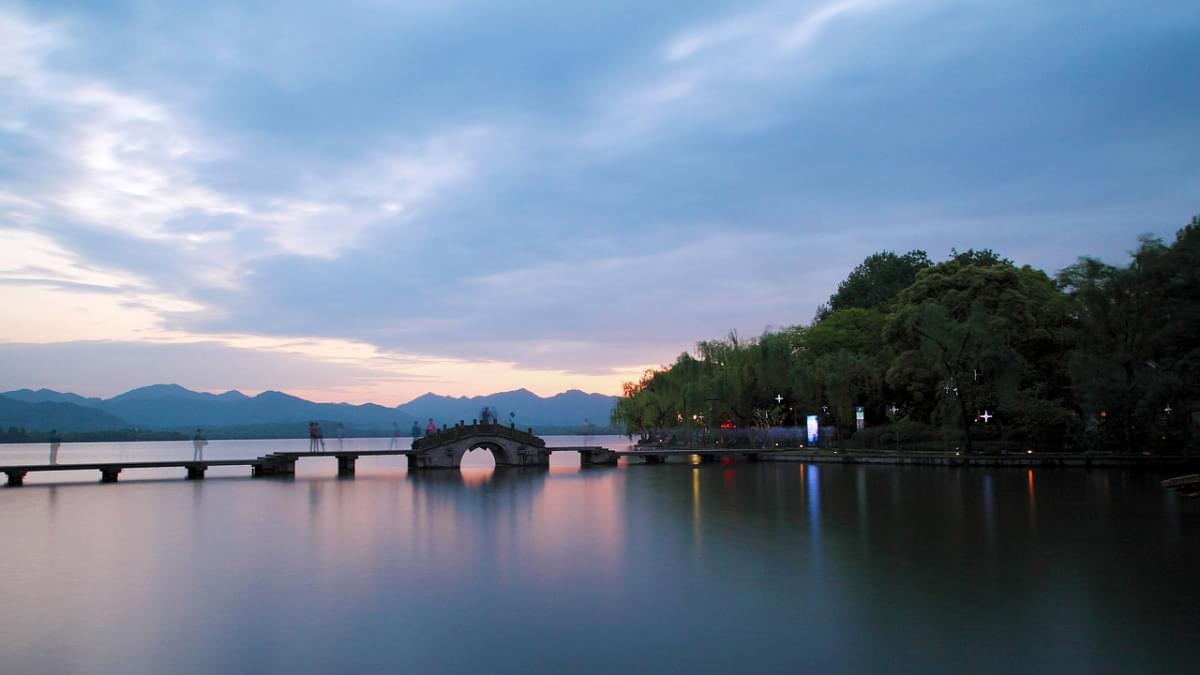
[(136, 166), (730, 72), (556, 191)]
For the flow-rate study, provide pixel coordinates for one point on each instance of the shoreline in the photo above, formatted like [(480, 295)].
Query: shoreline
[(1073, 460)]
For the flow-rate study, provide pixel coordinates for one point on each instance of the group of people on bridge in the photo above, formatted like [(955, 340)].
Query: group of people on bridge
[(415, 432)]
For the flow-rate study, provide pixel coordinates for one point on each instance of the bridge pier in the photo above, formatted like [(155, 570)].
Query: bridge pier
[(654, 459), (109, 475), (15, 478), (276, 464), (346, 464), (196, 471), (526, 456), (598, 457)]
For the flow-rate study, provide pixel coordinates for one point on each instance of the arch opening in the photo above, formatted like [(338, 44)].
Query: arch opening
[(479, 457)]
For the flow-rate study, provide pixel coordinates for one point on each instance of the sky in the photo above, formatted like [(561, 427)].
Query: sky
[(366, 201)]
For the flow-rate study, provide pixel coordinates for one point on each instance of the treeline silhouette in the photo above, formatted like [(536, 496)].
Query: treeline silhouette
[(22, 435), (973, 351)]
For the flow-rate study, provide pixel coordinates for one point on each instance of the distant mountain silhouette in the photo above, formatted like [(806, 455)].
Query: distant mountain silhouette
[(569, 408), (158, 391), (50, 396), (47, 415), (172, 407)]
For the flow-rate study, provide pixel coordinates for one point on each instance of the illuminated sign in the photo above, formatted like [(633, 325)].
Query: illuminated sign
[(860, 417), (814, 430)]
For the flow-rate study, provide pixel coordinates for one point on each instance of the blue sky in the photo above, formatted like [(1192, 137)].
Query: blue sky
[(372, 200)]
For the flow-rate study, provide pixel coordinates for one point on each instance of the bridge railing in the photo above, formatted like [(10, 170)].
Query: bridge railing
[(464, 430)]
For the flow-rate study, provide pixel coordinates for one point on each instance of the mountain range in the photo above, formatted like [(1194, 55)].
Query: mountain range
[(172, 407)]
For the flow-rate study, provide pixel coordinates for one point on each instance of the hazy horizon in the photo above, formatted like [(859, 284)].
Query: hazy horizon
[(364, 203)]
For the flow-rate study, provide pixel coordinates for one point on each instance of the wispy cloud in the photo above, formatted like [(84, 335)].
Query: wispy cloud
[(133, 164), (710, 73)]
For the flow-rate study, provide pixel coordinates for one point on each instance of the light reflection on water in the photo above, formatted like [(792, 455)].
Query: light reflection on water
[(743, 567)]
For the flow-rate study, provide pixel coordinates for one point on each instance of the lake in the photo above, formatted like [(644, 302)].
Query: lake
[(755, 567)]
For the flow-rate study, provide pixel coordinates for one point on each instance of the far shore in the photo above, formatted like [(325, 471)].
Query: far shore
[(942, 458)]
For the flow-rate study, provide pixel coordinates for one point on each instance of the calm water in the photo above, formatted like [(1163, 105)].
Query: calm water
[(673, 568)]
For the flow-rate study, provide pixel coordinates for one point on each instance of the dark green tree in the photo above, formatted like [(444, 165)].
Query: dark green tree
[(876, 281), (992, 335)]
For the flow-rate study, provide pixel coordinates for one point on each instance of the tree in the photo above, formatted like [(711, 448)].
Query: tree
[(876, 281), (1138, 350), (947, 341), (992, 334)]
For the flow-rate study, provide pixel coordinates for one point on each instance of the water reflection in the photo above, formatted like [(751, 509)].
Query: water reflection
[(863, 518), (989, 517), (1032, 502), (813, 485), (475, 477), (831, 568), (696, 504)]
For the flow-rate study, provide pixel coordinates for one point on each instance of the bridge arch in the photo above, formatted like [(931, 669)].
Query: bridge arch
[(509, 446), (499, 453)]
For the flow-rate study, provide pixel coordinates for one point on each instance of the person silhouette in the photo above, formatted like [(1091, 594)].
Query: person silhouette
[(416, 430), (430, 428), (198, 443), (55, 441), (320, 435), (312, 436)]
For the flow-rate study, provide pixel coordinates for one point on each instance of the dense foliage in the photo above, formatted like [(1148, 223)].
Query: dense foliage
[(1100, 357)]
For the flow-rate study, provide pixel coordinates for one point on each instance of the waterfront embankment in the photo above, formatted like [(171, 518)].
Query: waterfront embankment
[(1023, 460)]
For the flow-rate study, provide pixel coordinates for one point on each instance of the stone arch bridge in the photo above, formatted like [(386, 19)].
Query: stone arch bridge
[(509, 446)]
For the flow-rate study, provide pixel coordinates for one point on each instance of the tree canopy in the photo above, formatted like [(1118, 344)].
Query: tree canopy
[(876, 281), (973, 348)]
